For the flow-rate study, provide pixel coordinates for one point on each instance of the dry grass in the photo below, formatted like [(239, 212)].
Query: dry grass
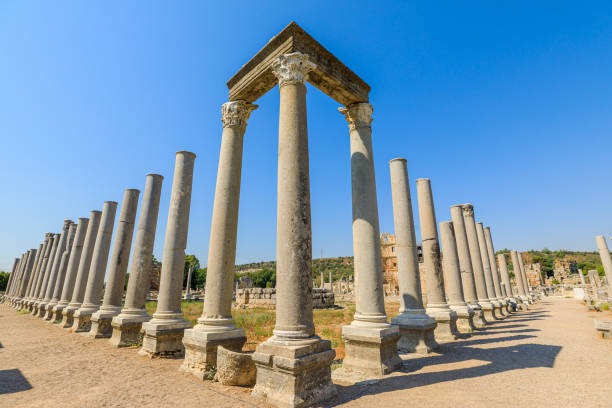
[(258, 322)]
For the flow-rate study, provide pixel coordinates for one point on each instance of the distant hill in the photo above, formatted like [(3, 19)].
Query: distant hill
[(545, 257), (341, 266)]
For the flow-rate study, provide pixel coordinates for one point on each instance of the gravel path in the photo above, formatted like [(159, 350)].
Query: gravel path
[(547, 356)]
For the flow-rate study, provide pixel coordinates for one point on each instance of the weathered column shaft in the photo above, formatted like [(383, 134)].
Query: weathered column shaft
[(16, 284), (43, 277), (486, 264), (517, 274), (450, 265), (494, 270), (57, 259), (25, 277), (604, 254), (523, 273), (73, 262), (61, 275), (463, 252), (34, 272), (505, 275)]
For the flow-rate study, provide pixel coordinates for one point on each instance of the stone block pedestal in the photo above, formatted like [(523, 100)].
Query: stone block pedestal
[(82, 321), (488, 311), (416, 333), (127, 329), (163, 337), (101, 323), (478, 319), (447, 323), (41, 310), (201, 348), (57, 313), (49, 312), (294, 373), (68, 317), (465, 318)]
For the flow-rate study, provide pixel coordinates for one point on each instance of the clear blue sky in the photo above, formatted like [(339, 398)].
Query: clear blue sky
[(507, 106)]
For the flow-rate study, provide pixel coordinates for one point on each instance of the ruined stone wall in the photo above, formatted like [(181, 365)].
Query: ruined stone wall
[(267, 297)]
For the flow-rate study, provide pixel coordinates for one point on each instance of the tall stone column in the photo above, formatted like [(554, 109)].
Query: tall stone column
[(371, 342), (305, 373), (16, 284), (581, 276), (188, 287), (436, 301), (43, 276), (453, 286), (604, 253), (34, 277), (31, 279), (522, 293), (11, 277), (25, 277), (61, 275), (465, 266), (32, 296), (164, 333), (80, 283), (113, 293), (216, 327), (486, 265), (524, 277), (57, 259), (479, 275), (494, 271), (71, 269), (127, 325), (99, 260), (44, 298), (416, 327), (505, 275)]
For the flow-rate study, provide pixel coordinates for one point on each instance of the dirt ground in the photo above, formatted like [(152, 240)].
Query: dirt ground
[(548, 356)]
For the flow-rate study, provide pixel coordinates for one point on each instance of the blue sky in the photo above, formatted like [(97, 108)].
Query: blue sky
[(507, 106)]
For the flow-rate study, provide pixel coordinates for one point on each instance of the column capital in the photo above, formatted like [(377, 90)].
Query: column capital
[(292, 68), (236, 113), (468, 210), (358, 114)]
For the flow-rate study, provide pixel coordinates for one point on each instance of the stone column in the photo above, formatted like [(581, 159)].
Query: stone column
[(494, 271), (216, 327), (322, 280), (416, 327), (32, 278), (127, 325), (305, 374), (479, 276), (452, 279), (505, 275), (61, 274), (54, 272), (113, 293), (436, 301), (465, 266), (581, 276), (486, 265), (11, 276), (16, 283), (524, 277), (80, 283), (25, 276), (99, 260), (604, 253), (164, 333), (44, 298), (188, 286), (71, 268), (38, 274), (522, 293), (44, 275)]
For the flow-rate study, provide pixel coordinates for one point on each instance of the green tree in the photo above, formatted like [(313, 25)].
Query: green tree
[(4, 277), (191, 261)]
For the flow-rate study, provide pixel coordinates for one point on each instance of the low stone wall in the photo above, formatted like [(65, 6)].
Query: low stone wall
[(267, 297)]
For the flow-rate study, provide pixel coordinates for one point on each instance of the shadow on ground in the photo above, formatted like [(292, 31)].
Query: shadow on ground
[(12, 381)]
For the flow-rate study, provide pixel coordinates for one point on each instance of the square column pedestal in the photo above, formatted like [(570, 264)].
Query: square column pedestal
[(201, 348), (416, 333), (447, 323), (465, 318), (68, 317), (101, 322), (57, 313), (371, 351), (82, 320), (488, 311), (163, 337), (127, 329), (294, 373)]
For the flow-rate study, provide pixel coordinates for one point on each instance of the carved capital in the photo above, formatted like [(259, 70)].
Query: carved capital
[(358, 115), (468, 210), (236, 113), (292, 68)]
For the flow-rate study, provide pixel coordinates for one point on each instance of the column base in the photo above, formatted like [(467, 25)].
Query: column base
[(447, 323), (294, 373), (35, 308), (478, 319), (371, 351), (127, 329), (82, 321), (41, 309), (163, 337), (416, 333), (510, 306), (465, 318), (488, 311), (68, 317), (101, 323), (49, 312)]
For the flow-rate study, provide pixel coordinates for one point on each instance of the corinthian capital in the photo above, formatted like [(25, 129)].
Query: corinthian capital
[(292, 68), (236, 113), (358, 114), (468, 210)]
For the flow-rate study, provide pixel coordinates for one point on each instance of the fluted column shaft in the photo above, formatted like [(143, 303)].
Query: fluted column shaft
[(523, 274)]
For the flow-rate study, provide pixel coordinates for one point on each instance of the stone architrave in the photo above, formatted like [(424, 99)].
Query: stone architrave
[(71, 269), (294, 343), (495, 271), (99, 260), (436, 301), (604, 253), (465, 266), (61, 274), (44, 297), (80, 283), (163, 334), (486, 265), (44, 272), (479, 276), (416, 327), (524, 277), (521, 299), (505, 275), (113, 293), (216, 327), (127, 325), (453, 286)]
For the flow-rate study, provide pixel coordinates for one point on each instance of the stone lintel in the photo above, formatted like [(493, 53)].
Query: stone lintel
[(331, 76)]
